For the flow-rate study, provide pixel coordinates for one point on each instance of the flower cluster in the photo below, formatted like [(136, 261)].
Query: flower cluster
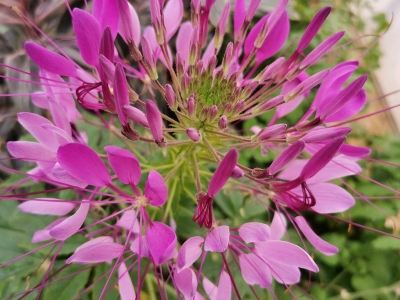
[(200, 83)]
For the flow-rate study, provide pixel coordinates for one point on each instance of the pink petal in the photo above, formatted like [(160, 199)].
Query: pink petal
[(223, 172), (254, 232), (217, 240), (106, 13), (239, 15), (44, 234), (72, 224), (50, 61), (97, 253), (60, 136), (186, 282), (34, 124), (88, 35), (47, 206), (129, 25), (254, 270), (154, 119), (135, 114), (30, 151), (125, 164), (278, 226), (125, 286), (63, 176), (331, 198), (286, 253), (84, 164), (189, 252), (96, 241), (173, 13), (182, 44), (129, 221), (155, 189), (284, 273), (224, 286), (144, 249), (319, 244), (210, 289), (161, 241)]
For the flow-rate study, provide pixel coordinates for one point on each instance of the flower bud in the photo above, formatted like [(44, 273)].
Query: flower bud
[(193, 134)]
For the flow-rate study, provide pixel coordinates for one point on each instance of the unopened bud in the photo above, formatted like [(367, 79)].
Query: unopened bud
[(149, 57), (223, 122), (170, 96), (191, 106), (237, 172), (193, 134)]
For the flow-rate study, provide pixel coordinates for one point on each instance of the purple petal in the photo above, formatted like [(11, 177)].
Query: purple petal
[(254, 270), (125, 286), (271, 131), (161, 241), (325, 134), (84, 164), (71, 225), (344, 97), (352, 107), (189, 252), (223, 172), (254, 232), (319, 244), (44, 234), (154, 120), (47, 206), (276, 37), (155, 189), (321, 158), (106, 13), (313, 28), (50, 61), (217, 240), (97, 253), (287, 156), (186, 282), (354, 151), (88, 35), (286, 253), (173, 13), (125, 164), (278, 226), (121, 93), (339, 167), (321, 49), (331, 198)]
